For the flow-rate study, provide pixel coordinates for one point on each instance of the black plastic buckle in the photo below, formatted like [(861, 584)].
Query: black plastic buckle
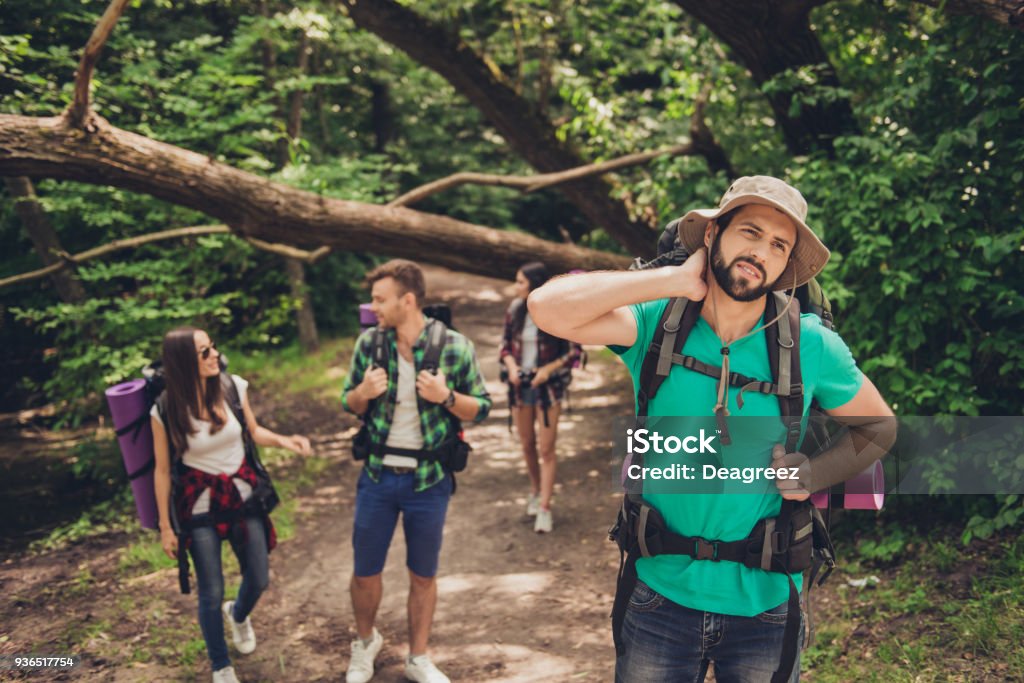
[(779, 543), (705, 550)]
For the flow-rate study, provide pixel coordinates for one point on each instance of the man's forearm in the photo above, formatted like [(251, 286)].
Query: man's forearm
[(356, 402), (867, 441), (572, 301)]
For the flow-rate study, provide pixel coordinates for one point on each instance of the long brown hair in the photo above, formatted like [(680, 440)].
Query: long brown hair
[(536, 273), (181, 373)]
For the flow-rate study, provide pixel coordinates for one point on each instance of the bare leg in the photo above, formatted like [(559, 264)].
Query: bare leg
[(546, 447), (524, 416), (422, 600), (366, 592)]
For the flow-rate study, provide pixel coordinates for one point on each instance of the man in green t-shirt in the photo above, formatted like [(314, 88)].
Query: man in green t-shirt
[(686, 613)]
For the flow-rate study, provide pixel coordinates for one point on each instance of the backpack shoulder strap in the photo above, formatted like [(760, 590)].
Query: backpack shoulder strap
[(378, 348), (670, 335), (234, 400), (784, 359), (436, 337)]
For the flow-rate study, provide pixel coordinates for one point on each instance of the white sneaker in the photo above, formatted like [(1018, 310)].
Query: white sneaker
[(544, 522), (532, 504), (422, 670), (225, 675), (242, 634), (360, 666)]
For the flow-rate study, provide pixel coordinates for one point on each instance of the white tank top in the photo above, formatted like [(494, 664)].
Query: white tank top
[(220, 453)]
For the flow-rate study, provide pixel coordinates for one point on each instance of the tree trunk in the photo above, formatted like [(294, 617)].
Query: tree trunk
[(256, 206), (527, 132), (44, 237), (772, 36), (305, 321), (383, 118), (309, 340)]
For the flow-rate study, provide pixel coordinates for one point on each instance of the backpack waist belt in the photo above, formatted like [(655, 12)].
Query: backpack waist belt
[(790, 543)]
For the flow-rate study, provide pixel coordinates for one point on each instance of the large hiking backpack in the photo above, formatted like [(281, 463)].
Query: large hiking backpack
[(794, 541), (453, 455)]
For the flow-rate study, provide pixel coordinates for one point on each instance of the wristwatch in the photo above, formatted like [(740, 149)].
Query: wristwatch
[(450, 401)]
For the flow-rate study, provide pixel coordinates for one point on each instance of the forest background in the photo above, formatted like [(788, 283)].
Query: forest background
[(900, 122)]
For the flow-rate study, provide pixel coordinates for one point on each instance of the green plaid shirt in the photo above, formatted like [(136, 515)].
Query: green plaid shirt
[(462, 373)]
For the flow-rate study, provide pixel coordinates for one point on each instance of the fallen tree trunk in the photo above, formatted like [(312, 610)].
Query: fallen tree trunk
[(257, 207)]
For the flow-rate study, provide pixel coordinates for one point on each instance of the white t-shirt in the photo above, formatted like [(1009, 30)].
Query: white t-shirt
[(529, 344), (220, 453), (405, 429)]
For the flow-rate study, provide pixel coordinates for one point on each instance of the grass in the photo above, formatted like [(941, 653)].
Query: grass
[(291, 370), (943, 613)]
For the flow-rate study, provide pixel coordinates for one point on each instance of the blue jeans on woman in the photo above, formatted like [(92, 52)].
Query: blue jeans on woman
[(251, 551), (666, 642)]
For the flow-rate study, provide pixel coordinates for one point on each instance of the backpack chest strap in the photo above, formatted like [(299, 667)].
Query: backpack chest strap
[(737, 379)]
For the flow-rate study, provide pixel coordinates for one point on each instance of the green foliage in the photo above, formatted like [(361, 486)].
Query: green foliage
[(883, 549), (1009, 514), (110, 338)]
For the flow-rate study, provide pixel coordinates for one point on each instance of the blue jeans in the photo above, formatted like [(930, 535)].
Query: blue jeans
[(377, 508), (668, 642), (252, 558)]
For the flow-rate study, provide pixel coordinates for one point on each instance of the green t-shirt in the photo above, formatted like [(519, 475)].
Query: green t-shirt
[(829, 375)]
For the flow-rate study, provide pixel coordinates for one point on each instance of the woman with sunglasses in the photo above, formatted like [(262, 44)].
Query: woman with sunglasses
[(196, 432), (538, 369)]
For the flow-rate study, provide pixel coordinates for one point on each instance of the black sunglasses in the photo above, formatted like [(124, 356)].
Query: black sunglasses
[(205, 353)]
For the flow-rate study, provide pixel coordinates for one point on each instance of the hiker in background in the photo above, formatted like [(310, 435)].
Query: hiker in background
[(537, 368), (708, 588), (198, 441), (412, 381)]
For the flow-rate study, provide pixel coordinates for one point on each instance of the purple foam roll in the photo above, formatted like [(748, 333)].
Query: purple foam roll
[(866, 491), (367, 318), (127, 403)]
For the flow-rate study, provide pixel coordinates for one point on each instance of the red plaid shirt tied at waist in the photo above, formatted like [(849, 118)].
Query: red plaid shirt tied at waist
[(226, 502)]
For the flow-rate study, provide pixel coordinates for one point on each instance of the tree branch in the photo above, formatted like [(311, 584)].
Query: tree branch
[(273, 212), (67, 260), (532, 183), (703, 140), (527, 131), (47, 244), (79, 108), (308, 257)]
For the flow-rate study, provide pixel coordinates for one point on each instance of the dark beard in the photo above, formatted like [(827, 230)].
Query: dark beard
[(731, 285)]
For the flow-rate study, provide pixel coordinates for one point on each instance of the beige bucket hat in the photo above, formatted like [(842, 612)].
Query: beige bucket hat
[(809, 255)]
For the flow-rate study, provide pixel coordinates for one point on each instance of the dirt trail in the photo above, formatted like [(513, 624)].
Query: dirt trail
[(513, 605)]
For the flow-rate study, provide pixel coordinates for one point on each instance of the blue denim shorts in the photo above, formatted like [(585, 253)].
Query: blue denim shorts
[(377, 508), (528, 396)]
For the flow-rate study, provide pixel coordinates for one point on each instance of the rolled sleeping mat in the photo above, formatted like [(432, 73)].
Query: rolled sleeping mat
[(367, 319), (866, 491), (129, 409)]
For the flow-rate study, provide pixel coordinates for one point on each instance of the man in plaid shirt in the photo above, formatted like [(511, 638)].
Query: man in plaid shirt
[(406, 409)]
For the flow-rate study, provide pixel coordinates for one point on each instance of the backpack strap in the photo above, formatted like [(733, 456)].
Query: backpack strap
[(379, 348), (784, 359), (674, 327), (436, 337)]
